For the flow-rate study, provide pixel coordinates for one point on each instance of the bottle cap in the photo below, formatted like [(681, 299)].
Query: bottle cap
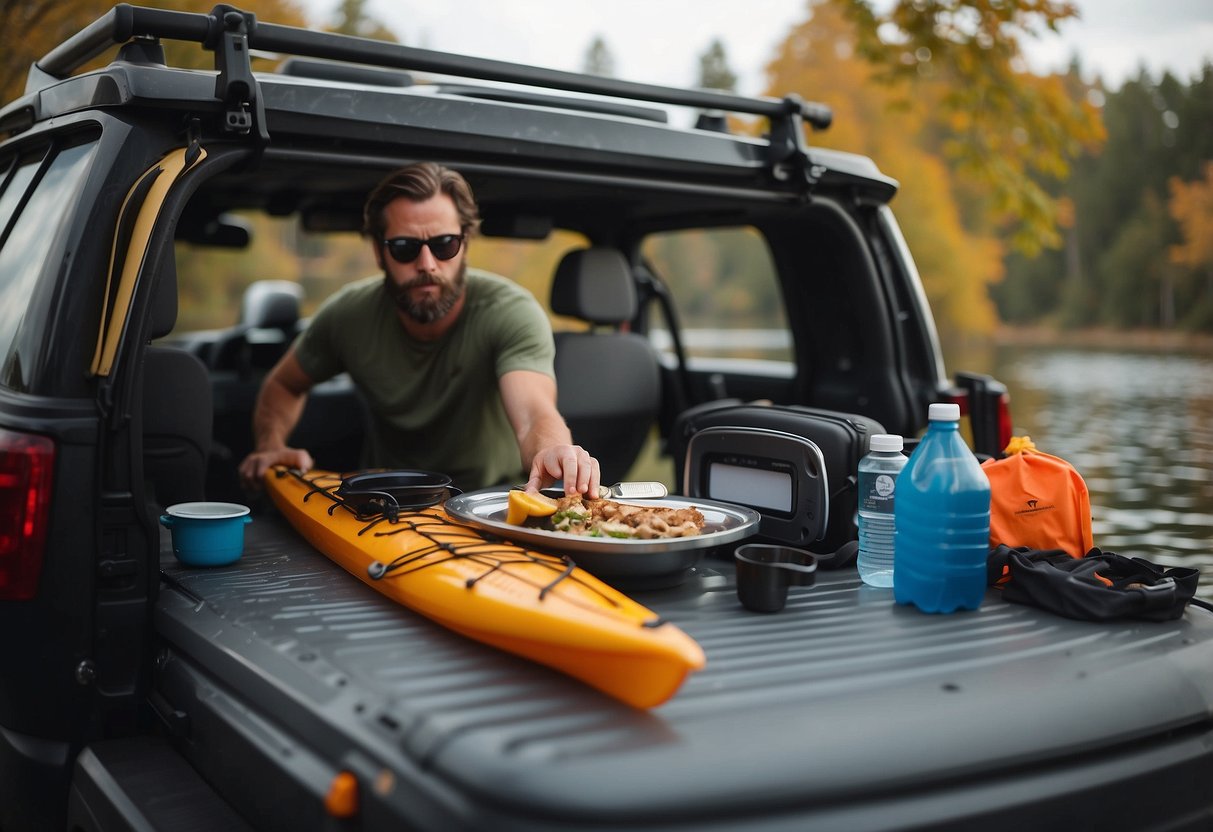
[(944, 412), (885, 442)]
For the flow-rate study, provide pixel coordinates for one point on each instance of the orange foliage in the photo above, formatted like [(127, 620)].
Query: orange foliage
[(1002, 126), (31, 28), (1191, 206), (957, 264)]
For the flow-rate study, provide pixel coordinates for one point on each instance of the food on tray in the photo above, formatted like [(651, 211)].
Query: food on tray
[(525, 504), (607, 518)]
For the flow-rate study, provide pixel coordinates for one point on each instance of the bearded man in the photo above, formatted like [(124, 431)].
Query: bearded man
[(455, 364)]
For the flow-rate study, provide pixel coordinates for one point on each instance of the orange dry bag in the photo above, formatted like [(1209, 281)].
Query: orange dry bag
[(1038, 500)]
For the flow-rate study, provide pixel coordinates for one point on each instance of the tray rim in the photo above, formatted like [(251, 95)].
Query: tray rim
[(745, 523)]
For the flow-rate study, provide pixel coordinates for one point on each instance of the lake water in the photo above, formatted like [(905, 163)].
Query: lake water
[(1138, 427)]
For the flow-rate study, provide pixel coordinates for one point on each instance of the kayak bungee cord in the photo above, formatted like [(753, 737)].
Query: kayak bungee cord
[(480, 583), (497, 556)]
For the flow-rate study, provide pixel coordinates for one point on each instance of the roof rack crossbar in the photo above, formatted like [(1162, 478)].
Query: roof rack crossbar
[(120, 24), (308, 43), (124, 22)]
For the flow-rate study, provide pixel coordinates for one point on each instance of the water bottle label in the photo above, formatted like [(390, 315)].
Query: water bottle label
[(876, 493)]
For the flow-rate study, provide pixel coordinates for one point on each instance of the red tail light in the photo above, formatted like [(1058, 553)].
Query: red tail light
[(1005, 428), (26, 474), (988, 405)]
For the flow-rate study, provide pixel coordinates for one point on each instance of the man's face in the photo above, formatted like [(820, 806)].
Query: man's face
[(427, 288)]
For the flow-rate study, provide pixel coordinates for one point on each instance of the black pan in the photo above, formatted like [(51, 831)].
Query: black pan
[(391, 491)]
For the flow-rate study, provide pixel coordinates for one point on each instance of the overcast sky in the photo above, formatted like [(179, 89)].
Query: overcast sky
[(659, 41)]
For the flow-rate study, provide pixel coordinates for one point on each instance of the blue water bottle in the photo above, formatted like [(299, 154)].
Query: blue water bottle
[(942, 515)]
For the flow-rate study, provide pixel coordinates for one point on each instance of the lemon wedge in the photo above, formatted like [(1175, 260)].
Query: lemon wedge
[(524, 504)]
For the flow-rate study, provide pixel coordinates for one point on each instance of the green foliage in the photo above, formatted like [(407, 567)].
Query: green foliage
[(1135, 279), (724, 277), (353, 19), (940, 210), (1134, 206), (1003, 127)]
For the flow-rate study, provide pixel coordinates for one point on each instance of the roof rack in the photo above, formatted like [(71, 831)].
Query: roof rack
[(231, 33)]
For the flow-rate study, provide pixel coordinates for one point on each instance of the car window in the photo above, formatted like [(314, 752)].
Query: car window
[(725, 290), (41, 188), (212, 280)]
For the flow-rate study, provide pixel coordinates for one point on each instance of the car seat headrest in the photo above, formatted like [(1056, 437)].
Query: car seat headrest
[(271, 304), (596, 285)]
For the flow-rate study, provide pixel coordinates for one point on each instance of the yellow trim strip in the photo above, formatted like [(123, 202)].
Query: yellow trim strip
[(167, 171)]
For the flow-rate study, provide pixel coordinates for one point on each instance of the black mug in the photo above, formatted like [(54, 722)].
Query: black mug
[(765, 571)]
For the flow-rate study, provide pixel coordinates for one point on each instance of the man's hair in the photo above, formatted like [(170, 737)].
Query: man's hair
[(418, 182)]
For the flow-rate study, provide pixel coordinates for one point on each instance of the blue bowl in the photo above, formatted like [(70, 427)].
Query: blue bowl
[(206, 534)]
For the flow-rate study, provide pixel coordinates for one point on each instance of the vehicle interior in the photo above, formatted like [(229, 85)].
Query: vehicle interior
[(707, 282)]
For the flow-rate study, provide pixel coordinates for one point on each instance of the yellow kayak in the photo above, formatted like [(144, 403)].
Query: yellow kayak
[(527, 602)]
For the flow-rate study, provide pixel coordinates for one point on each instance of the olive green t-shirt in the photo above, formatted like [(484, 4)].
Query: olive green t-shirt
[(435, 405)]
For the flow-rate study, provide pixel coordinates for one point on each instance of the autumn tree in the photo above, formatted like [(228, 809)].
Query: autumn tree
[(1191, 207), (31, 28), (1001, 126), (818, 60)]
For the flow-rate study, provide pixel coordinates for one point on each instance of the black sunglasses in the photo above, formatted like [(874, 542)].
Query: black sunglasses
[(408, 249)]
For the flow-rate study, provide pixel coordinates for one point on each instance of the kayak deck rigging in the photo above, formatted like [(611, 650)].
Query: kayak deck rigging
[(532, 603), (487, 549)]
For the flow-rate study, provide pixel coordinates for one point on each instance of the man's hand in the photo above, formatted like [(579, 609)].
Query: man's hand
[(253, 467), (543, 437), (570, 464)]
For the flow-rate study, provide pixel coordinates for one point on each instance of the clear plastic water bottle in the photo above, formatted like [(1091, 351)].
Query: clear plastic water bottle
[(943, 521), (878, 472)]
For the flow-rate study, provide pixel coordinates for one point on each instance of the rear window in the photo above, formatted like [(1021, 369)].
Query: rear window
[(39, 188)]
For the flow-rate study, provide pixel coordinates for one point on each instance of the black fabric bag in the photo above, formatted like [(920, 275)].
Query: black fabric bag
[(1102, 586), (842, 437)]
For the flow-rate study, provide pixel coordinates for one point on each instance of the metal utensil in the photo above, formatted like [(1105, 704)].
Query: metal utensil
[(620, 490), (633, 491)]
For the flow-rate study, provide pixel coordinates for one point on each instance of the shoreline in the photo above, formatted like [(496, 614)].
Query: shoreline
[(1102, 338)]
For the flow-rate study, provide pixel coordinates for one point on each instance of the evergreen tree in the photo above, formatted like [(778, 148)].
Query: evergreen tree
[(353, 19), (714, 71), (598, 59), (1129, 258)]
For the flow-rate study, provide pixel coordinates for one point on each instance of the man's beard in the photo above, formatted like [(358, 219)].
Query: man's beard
[(428, 309)]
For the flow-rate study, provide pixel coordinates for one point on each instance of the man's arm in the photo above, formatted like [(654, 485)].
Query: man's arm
[(544, 440), (279, 406)]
